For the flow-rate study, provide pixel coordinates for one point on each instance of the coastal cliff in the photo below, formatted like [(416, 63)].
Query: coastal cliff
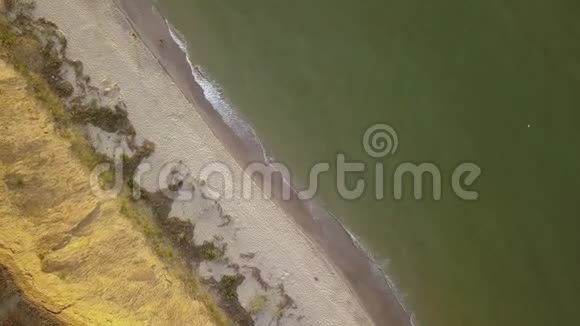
[(67, 256)]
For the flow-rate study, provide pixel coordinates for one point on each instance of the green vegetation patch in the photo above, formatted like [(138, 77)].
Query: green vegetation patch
[(257, 303)]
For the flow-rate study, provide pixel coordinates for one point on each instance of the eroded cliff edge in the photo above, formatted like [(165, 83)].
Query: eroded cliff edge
[(66, 255)]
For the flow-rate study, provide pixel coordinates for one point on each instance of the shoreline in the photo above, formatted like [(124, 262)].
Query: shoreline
[(304, 248), (366, 280)]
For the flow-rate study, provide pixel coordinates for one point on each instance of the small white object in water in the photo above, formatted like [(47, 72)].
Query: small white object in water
[(529, 125)]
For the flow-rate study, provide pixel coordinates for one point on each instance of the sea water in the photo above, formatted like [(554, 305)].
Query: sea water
[(493, 83)]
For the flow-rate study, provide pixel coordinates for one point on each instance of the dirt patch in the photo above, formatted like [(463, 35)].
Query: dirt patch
[(7, 151), (16, 309)]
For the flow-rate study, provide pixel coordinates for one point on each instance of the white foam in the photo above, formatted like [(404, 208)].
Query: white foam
[(213, 92)]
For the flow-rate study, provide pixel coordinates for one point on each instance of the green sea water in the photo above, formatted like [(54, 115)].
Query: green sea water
[(494, 82)]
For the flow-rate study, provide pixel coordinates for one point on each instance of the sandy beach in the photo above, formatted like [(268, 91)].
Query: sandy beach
[(315, 263)]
